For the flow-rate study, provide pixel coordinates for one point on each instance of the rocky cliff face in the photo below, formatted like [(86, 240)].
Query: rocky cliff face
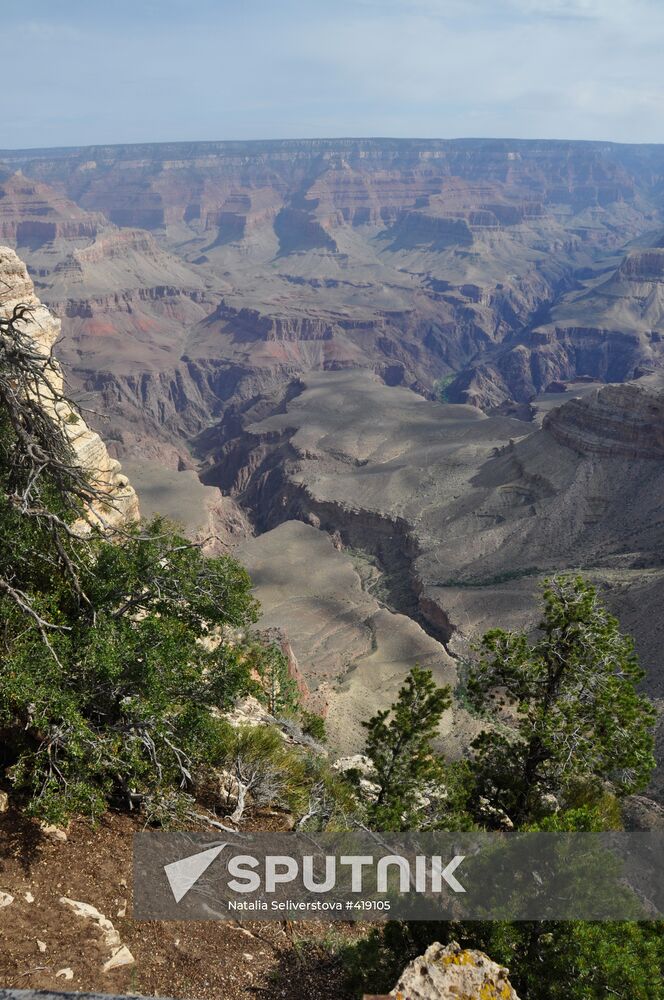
[(556, 355), (626, 420), (31, 213), (90, 451), (351, 180), (645, 266), (609, 327), (448, 518)]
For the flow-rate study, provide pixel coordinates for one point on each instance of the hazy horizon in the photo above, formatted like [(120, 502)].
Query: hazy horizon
[(81, 74), (331, 138)]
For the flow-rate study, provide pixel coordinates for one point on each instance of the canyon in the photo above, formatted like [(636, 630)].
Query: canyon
[(403, 379)]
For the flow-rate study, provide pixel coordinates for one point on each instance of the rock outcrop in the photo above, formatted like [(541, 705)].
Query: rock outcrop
[(120, 954), (354, 653), (625, 420), (120, 503), (610, 327), (33, 214), (452, 973), (643, 266)]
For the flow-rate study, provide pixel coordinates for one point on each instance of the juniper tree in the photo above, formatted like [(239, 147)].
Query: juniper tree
[(580, 729), (43, 491), (278, 689), (112, 652), (580, 723)]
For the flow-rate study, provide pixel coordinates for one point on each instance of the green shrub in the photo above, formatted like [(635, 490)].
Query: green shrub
[(582, 738), (442, 385), (117, 706), (313, 725), (118, 654), (278, 690), (581, 723)]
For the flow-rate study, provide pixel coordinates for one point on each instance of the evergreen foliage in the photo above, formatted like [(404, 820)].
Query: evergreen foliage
[(117, 650), (567, 722), (567, 960), (580, 723), (117, 706), (278, 689), (399, 745)]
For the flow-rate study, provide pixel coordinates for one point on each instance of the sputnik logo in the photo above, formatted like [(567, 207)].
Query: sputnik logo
[(183, 875)]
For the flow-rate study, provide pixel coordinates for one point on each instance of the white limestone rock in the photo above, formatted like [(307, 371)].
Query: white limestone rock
[(452, 973)]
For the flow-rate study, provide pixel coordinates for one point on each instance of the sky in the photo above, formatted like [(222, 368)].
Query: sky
[(80, 72)]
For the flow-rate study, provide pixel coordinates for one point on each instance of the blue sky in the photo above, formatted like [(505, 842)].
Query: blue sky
[(102, 71)]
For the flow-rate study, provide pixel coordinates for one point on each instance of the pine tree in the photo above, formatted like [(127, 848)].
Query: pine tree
[(399, 744), (581, 724)]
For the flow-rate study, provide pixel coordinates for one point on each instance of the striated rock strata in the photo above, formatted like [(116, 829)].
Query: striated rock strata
[(415, 259), (423, 519), (625, 420), (609, 327)]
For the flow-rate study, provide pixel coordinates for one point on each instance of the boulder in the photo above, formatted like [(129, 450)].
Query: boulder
[(53, 832), (120, 954), (453, 973), (362, 765), (88, 912), (119, 958)]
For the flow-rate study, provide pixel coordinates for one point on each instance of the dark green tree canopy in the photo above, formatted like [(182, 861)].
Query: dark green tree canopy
[(399, 744), (579, 722), (566, 721)]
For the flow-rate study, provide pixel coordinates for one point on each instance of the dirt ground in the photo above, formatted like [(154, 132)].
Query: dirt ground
[(193, 960)]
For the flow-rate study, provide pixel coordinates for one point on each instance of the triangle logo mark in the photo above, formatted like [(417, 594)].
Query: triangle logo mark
[(183, 875)]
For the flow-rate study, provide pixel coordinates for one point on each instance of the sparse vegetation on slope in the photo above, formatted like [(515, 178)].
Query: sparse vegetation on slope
[(120, 656), (579, 738)]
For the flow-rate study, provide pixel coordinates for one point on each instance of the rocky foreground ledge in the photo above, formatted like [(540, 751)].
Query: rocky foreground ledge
[(48, 995), (442, 973)]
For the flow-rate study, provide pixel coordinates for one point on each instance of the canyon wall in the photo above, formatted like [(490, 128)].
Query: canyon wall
[(460, 514), (617, 420), (195, 277)]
